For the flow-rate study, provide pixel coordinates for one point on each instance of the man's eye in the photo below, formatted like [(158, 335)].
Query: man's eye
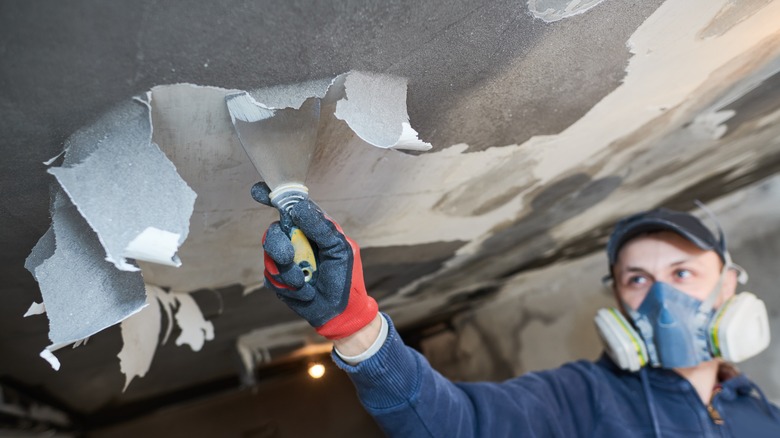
[(683, 273), (637, 280)]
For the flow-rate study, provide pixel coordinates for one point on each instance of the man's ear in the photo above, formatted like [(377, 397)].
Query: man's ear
[(730, 282)]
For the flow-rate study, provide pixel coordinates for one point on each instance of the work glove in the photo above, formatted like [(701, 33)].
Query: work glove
[(334, 301)]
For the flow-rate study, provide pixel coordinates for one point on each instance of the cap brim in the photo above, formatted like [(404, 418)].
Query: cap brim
[(656, 224)]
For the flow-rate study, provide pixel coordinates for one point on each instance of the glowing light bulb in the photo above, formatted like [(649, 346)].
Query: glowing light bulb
[(316, 370)]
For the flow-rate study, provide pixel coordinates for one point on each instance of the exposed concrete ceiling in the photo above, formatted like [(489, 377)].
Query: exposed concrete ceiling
[(546, 127)]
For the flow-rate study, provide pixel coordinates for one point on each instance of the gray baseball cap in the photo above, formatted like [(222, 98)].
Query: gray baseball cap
[(661, 219)]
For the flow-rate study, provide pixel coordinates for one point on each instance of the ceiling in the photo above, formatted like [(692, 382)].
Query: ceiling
[(548, 120)]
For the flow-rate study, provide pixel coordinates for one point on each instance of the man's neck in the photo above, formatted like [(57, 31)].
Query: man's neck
[(703, 377)]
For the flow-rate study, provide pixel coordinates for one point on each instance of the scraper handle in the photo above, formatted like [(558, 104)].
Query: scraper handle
[(283, 198), (304, 253)]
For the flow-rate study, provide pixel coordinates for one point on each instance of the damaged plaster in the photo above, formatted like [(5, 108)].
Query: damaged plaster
[(139, 207), (109, 208), (453, 195), (193, 127), (527, 200), (704, 68), (482, 76), (141, 331)]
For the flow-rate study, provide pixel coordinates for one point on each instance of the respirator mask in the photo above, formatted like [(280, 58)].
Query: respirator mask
[(671, 329), (674, 330)]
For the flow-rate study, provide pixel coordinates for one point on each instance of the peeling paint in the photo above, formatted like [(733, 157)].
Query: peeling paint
[(629, 117), (554, 10), (379, 210), (140, 334), (108, 172), (375, 108), (35, 309), (76, 308), (732, 13), (192, 125), (195, 330)]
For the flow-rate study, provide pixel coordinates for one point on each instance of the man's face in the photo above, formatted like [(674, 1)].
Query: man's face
[(668, 257)]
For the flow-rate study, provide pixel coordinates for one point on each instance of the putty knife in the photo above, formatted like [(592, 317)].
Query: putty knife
[(280, 144)]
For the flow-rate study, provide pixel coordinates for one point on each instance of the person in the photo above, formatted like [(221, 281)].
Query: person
[(665, 371)]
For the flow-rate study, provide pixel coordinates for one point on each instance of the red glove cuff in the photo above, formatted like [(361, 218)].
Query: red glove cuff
[(360, 311), (361, 308)]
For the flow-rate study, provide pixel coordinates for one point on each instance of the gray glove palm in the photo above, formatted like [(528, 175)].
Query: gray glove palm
[(334, 301)]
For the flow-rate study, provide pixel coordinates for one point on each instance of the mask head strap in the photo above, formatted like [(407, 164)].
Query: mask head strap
[(742, 275), (707, 305)]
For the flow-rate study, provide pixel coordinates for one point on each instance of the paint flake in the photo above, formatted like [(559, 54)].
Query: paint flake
[(82, 292), (47, 355), (555, 10), (110, 211), (140, 334), (155, 245), (80, 342), (35, 309), (372, 104), (375, 108), (113, 173), (195, 330)]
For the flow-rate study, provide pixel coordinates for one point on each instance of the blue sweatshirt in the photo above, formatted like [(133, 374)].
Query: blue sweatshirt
[(408, 399)]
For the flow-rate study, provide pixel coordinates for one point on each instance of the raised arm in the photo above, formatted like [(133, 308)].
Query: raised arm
[(396, 384)]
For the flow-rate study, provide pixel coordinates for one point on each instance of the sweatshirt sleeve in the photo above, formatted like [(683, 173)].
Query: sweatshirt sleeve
[(408, 398)]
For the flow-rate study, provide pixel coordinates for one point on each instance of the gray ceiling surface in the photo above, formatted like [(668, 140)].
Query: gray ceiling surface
[(534, 120)]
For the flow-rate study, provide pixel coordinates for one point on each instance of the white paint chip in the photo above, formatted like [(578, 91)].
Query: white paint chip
[(195, 330), (80, 342), (53, 159), (375, 109), (140, 334), (244, 107), (250, 288), (155, 245), (35, 309), (51, 358)]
